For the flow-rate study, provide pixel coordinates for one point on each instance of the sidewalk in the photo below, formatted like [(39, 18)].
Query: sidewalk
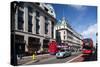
[(27, 59)]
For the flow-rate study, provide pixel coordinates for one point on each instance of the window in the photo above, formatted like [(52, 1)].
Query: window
[(21, 4), (46, 28), (30, 9), (37, 26), (37, 14), (46, 9), (20, 20), (64, 37), (52, 29), (29, 23), (51, 11), (70, 37), (29, 28), (46, 25), (29, 19), (37, 22), (64, 26), (20, 13)]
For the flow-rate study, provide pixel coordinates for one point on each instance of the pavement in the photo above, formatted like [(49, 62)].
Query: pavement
[(28, 59)]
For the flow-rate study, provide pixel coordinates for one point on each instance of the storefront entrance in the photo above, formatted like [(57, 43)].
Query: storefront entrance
[(45, 45), (34, 45), (20, 45)]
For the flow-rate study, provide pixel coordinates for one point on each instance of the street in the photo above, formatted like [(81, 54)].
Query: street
[(51, 59)]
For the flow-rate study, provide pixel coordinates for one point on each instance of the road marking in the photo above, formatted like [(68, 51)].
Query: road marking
[(74, 58)]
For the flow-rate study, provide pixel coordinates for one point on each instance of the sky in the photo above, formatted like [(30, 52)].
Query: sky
[(82, 18)]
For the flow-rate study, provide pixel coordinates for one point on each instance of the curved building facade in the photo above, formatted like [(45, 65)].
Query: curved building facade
[(64, 33)]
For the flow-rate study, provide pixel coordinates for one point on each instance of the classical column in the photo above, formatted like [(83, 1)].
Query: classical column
[(16, 20), (41, 30), (26, 26), (42, 25), (34, 23), (49, 29), (25, 19), (41, 47), (26, 43)]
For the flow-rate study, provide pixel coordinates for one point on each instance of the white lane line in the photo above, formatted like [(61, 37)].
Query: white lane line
[(74, 58)]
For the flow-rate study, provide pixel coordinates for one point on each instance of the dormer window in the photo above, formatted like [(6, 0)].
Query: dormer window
[(51, 11), (46, 9)]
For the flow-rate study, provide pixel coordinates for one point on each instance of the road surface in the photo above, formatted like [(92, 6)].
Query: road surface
[(51, 59)]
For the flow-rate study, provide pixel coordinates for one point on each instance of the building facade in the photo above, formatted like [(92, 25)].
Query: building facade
[(64, 33), (32, 25)]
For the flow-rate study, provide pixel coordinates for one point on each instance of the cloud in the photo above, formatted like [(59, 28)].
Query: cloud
[(91, 30), (79, 7)]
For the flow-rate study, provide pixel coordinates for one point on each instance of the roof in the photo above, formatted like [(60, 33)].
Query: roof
[(62, 22)]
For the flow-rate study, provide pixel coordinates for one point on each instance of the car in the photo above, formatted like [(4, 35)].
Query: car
[(63, 53)]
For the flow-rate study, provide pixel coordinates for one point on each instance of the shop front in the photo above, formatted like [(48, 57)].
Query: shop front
[(33, 45), (45, 45), (20, 45)]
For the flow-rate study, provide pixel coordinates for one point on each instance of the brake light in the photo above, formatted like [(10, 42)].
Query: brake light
[(87, 51)]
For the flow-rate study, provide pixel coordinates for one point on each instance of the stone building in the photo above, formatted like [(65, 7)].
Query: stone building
[(32, 26), (64, 33)]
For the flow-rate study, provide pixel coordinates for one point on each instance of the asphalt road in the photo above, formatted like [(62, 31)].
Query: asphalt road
[(73, 58), (86, 58), (54, 60)]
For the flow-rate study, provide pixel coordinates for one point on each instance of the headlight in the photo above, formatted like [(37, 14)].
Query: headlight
[(61, 54)]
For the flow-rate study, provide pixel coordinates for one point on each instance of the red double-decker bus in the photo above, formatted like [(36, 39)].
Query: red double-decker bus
[(52, 49), (87, 46)]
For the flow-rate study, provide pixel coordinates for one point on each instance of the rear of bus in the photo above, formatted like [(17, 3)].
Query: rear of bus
[(53, 49), (87, 46)]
